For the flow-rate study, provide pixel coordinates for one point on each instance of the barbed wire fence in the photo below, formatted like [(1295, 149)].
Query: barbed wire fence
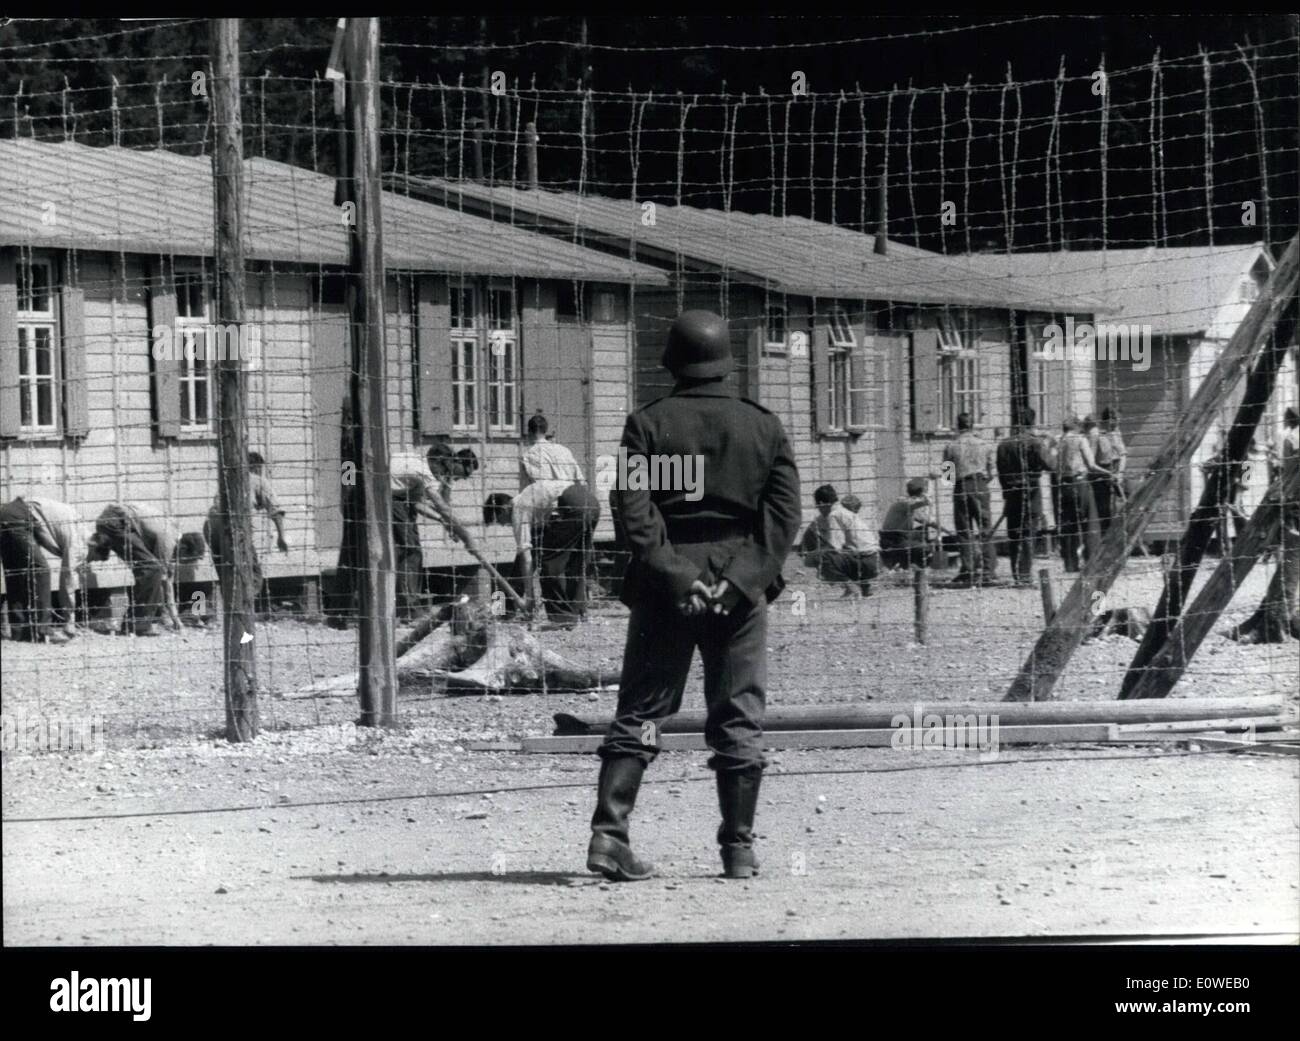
[(509, 297)]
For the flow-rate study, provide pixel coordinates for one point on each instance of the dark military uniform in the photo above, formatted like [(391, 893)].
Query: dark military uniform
[(1022, 459), (739, 529)]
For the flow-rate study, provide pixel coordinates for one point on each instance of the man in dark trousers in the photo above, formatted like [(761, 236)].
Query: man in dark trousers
[(1075, 468), (1022, 459), (972, 469), (24, 533), (556, 522), (706, 561)]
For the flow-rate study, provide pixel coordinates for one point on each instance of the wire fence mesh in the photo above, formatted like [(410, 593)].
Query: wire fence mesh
[(1022, 253)]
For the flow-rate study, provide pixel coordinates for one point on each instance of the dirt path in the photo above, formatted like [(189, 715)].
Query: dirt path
[(1143, 843)]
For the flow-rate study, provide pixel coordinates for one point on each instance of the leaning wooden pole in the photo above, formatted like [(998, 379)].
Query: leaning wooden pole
[(1047, 660), (237, 567), (377, 583), (1260, 534), (1218, 490)]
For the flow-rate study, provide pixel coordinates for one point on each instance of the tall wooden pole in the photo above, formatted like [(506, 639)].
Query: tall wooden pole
[(236, 570), (377, 584), (1218, 490), (1049, 656)]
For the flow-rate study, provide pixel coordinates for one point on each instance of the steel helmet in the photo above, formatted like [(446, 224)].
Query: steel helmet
[(699, 346)]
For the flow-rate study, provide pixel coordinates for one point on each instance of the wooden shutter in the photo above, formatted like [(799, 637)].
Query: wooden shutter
[(925, 381), (72, 326), (821, 369), (571, 421), (166, 370), (543, 367), (745, 334), (10, 407), (433, 351)]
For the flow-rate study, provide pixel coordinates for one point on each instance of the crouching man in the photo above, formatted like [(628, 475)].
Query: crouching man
[(25, 530), (704, 568), (556, 520), (841, 545), (150, 545)]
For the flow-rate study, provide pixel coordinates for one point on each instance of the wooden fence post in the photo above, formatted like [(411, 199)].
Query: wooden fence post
[(377, 585), (238, 557)]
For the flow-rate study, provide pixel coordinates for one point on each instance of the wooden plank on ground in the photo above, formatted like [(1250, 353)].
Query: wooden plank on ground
[(877, 715), (1205, 725)]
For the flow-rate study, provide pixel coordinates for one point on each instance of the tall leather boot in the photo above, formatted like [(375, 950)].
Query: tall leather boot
[(738, 799), (609, 853)]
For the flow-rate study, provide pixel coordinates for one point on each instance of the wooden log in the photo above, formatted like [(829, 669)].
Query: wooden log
[(426, 625), (882, 714), (1261, 532), (236, 567), (1047, 660), (377, 584), (1218, 491)]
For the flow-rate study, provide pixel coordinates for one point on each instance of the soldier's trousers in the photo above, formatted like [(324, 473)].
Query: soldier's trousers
[(1078, 522), (661, 643), (973, 518), (127, 540), (27, 574), (1023, 505)]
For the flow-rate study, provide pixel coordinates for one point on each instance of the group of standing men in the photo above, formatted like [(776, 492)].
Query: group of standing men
[(1085, 466)]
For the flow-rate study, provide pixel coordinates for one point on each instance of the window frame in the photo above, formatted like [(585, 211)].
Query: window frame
[(954, 400), (781, 344), (193, 369), (501, 377), (465, 398), (843, 339), (31, 322)]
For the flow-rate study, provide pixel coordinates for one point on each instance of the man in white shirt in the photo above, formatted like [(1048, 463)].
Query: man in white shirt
[(556, 522), (417, 493), (63, 528), (546, 460), (845, 548)]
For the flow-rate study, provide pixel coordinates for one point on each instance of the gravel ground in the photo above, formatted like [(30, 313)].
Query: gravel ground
[(320, 833)]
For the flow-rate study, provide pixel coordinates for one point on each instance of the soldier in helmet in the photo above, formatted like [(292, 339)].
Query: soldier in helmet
[(705, 564)]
